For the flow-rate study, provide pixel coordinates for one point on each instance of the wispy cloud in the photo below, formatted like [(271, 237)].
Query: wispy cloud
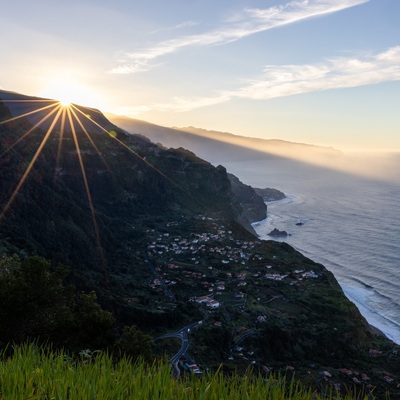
[(252, 21), (287, 80), (186, 24)]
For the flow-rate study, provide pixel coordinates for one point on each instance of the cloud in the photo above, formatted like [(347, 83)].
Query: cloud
[(288, 80), (298, 10), (186, 24), (179, 104), (252, 21)]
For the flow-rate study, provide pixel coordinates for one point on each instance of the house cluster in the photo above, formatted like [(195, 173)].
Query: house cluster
[(191, 367), (196, 251), (207, 301), (298, 275), (200, 244), (275, 277), (157, 284), (200, 249), (356, 376)]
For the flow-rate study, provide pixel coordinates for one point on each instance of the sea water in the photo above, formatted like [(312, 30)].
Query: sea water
[(349, 223)]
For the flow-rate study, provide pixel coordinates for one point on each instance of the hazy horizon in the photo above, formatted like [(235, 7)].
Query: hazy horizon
[(371, 163)]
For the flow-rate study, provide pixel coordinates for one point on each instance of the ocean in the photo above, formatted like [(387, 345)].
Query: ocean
[(348, 223)]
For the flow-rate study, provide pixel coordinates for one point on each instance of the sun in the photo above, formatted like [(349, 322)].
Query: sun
[(70, 91), (65, 102)]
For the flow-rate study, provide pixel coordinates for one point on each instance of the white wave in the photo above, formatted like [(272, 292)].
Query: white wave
[(361, 297), (288, 199)]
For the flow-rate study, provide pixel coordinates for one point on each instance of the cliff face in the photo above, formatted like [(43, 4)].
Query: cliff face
[(253, 206)]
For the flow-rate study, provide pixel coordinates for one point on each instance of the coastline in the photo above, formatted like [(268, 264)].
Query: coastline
[(266, 225), (380, 324)]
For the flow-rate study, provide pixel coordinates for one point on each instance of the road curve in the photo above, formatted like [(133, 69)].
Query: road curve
[(182, 334)]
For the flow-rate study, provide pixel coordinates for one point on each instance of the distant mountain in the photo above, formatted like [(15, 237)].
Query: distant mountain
[(218, 147)]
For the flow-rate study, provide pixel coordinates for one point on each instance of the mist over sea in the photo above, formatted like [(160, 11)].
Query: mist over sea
[(350, 224)]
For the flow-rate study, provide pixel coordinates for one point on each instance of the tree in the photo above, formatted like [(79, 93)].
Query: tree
[(134, 343), (36, 305)]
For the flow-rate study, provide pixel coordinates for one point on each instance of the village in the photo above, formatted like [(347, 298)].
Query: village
[(238, 290), (207, 263)]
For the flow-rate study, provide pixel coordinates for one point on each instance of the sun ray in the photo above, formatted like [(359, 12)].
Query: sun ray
[(30, 166), (130, 150), (28, 101), (46, 117), (88, 194), (135, 154), (72, 109), (55, 104), (60, 139), (75, 117)]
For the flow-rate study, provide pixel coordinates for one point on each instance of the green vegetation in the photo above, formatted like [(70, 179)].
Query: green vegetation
[(37, 305), (162, 229), (33, 372)]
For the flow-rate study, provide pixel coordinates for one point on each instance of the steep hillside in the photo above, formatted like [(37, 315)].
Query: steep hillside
[(156, 233), (89, 197), (254, 208)]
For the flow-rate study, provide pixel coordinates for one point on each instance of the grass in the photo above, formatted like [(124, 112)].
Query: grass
[(33, 372)]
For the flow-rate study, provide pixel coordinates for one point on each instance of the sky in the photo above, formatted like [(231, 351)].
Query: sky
[(323, 72)]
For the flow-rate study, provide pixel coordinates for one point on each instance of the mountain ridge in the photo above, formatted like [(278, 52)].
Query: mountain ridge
[(218, 147)]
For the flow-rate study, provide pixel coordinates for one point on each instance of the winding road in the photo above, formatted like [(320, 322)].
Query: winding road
[(182, 334)]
